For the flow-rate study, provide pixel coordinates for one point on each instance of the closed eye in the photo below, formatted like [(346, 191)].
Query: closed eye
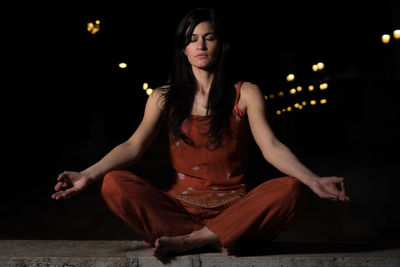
[(210, 36)]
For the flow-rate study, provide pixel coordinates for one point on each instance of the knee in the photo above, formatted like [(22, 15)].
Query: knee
[(111, 184), (115, 183), (295, 190)]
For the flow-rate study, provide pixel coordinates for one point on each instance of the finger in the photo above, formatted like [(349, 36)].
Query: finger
[(70, 192), (344, 198), (57, 187), (60, 185), (329, 196), (58, 195), (337, 180), (343, 189), (62, 176), (65, 194)]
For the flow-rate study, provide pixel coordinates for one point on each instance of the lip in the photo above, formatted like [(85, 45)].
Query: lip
[(203, 55)]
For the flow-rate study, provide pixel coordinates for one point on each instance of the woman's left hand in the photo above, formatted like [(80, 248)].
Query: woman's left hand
[(331, 188)]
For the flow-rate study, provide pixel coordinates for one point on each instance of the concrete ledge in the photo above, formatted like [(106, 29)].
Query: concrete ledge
[(134, 253)]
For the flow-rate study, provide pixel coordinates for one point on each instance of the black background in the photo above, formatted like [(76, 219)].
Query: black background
[(65, 103)]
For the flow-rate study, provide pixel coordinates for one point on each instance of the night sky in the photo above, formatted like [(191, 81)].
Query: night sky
[(66, 102)]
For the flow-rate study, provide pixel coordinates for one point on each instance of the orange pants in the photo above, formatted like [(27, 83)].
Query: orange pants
[(261, 214)]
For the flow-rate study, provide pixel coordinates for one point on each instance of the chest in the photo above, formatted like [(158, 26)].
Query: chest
[(199, 106)]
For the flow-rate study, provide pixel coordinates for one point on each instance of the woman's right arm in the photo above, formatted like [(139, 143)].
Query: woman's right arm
[(70, 183), (132, 149)]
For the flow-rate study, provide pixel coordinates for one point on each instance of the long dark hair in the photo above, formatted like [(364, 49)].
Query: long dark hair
[(179, 96)]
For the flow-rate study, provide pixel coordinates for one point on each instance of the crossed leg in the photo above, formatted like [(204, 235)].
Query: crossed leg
[(262, 214), (163, 222), (157, 218)]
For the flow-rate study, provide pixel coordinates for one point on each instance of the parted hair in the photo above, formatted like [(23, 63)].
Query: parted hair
[(180, 93)]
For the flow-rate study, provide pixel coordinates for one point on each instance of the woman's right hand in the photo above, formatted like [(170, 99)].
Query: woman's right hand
[(70, 183)]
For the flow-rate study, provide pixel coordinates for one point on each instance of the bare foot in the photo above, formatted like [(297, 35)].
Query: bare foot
[(168, 245), (179, 244), (146, 243)]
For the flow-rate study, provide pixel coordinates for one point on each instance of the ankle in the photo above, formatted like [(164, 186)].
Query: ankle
[(203, 237)]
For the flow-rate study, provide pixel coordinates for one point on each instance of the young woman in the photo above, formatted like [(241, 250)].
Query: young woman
[(209, 118)]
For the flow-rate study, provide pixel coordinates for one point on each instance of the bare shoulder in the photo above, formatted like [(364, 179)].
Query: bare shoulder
[(158, 95), (249, 88), (250, 95)]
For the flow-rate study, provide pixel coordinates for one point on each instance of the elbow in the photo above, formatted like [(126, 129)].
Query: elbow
[(136, 150), (268, 156), (269, 151)]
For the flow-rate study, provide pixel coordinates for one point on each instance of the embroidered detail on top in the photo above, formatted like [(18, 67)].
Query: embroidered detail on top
[(211, 146), (181, 176), (207, 201)]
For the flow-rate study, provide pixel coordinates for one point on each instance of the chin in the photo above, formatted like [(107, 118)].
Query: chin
[(204, 66)]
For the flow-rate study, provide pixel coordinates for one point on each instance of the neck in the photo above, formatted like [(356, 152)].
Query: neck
[(204, 79)]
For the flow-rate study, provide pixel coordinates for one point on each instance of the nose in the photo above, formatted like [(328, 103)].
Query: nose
[(201, 45)]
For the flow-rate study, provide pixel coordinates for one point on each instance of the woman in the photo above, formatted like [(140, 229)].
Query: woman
[(209, 117)]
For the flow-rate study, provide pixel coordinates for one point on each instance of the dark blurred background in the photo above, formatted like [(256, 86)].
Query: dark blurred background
[(66, 103)]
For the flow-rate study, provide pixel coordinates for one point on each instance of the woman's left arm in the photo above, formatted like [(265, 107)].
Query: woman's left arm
[(279, 155)]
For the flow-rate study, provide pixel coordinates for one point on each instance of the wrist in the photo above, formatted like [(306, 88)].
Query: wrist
[(311, 179), (90, 177)]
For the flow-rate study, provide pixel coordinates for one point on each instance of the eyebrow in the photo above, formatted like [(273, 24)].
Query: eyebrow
[(208, 33)]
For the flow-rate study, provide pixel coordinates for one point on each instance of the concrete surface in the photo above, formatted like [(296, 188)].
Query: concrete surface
[(134, 253)]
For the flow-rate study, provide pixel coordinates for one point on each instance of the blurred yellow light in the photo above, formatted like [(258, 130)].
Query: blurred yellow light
[(396, 34), (385, 38), (313, 102), (283, 110), (323, 86), (93, 28), (280, 93), (289, 109), (145, 86), (266, 97), (149, 91), (97, 22), (320, 65), (315, 67), (304, 103), (300, 107), (290, 77), (90, 26), (311, 88), (123, 65), (278, 112), (296, 105), (299, 88), (323, 101), (292, 91), (272, 96)]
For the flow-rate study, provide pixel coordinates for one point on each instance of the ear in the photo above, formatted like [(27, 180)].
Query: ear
[(184, 51)]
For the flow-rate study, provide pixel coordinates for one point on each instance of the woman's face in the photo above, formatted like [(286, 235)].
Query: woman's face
[(203, 49)]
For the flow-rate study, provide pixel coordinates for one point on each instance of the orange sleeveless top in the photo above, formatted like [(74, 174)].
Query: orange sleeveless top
[(207, 177)]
